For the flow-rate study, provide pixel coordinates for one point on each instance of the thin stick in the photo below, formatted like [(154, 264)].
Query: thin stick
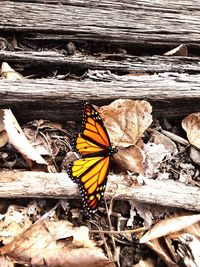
[(131, 231)]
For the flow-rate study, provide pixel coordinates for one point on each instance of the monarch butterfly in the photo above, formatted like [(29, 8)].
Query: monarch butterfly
[(91, 170)]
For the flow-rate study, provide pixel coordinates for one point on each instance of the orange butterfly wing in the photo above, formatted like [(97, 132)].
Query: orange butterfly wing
[(91, 176), (90, 172)]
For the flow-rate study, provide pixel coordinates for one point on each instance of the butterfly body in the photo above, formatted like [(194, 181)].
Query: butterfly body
[(90, 171)]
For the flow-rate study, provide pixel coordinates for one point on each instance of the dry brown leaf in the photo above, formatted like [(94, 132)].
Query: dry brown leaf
[(160, 249), (189, 249), (126, 120), (130, 158), (50, 244), (168, 226), (20, 142), (191, 124), (176, 229), (8, 73)]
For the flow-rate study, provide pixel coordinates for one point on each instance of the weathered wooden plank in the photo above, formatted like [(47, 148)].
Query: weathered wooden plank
[(133, 22), (17, 184), (113, 62), (172, 96)]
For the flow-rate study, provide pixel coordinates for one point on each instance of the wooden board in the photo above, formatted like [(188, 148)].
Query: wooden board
[(172, 96), (130, 22), (51, 185), (114, 62)]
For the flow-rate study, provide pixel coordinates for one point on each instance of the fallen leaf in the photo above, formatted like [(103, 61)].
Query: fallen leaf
[(195, 155), (126, 120), (168, 226), (154, 156), (159, 138), (50, 244), (191, 124), (181, 230), (8, 73), (145, 263), (5, 262), (13, 222), (188, 249), (163, 252), (20, 142), (81, 238), (130, 158)]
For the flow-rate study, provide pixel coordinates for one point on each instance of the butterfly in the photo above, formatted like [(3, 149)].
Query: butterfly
[(90, 171)]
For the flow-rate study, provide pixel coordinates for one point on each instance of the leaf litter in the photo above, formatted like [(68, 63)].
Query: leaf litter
[(48, 233)]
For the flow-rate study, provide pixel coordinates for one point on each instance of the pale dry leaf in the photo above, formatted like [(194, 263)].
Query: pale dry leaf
[(195, 155), (81, 238), (38, 141), (191, 124), (8, 73), (164, 254), (149, 212), (130, 158), (188, 249), (49, 244), (159, 138), (191, 229), (145, 263), (154, 156), (168, 226), (126, 120), (189, 240), (20, 142), (13, 222), (4, 262)]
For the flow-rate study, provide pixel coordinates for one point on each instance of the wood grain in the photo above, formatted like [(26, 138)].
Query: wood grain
[(121, 63), (172, 96), (18, 184), (131, 22)]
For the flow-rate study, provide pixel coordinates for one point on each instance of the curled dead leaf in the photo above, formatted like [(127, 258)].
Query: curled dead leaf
[(184, 229), (126, 120), (168, 226), (20, 142), (191, 124)]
